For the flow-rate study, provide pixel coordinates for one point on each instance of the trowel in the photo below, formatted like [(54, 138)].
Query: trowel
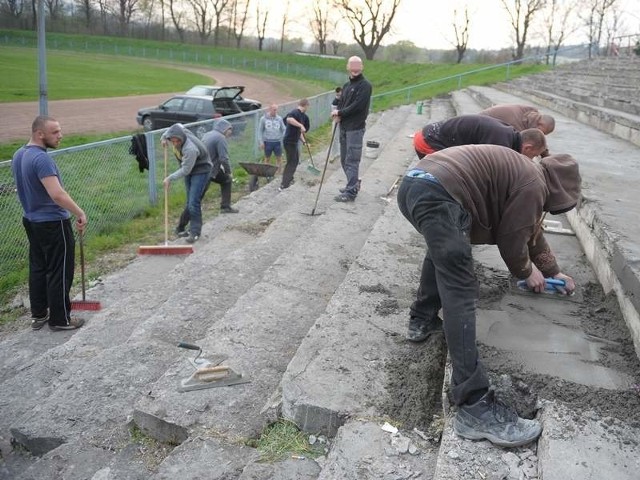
[(208, 372), (552, 288)]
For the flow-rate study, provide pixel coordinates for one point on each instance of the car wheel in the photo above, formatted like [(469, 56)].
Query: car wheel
[(147, 124)]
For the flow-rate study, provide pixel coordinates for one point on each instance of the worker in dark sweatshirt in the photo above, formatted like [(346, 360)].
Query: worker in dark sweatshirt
[(481, 194), (477, 129), (351, 113)]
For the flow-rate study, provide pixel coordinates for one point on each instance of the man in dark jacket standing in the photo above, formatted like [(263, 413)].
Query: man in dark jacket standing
[(477, 129), (352, 112), (481, 194), (195, 168)]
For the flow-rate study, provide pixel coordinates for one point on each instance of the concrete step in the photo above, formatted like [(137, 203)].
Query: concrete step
[(256, 284), (609, 118), (574, 362)]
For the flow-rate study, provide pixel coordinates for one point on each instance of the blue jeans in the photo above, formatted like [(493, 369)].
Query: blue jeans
[(350, 155), (195, 185), (448, 279)]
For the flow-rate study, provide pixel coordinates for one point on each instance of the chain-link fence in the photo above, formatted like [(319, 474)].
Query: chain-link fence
[(105, 180)]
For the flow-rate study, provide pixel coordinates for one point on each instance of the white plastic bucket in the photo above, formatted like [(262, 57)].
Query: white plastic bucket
[(372, 149)]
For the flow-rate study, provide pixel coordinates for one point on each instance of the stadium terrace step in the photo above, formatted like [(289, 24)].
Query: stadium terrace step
[(577, 400)]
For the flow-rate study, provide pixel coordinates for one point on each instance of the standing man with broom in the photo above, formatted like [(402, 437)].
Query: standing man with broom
[(352, 112), (195, 168), (47, 210)]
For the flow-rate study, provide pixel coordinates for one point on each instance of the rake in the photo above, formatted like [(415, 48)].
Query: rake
[(165, 249), (324, 171)]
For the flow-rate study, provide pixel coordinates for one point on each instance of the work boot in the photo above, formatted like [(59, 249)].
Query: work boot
[(38, 322), (192, 238), (74, 323), (181, 233), (491, 419), (420, 329), (228, 210)]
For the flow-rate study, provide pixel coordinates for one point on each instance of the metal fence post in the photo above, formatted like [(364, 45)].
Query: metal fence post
[(151, 155)]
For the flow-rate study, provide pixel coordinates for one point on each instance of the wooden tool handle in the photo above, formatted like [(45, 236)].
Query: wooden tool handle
[(217, 369)]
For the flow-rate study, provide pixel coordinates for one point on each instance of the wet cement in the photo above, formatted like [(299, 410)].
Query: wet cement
[(415, 375)]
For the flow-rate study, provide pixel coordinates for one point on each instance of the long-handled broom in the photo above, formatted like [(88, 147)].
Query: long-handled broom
[(324, 171), (165, 249), (312, 166), (84, 304)]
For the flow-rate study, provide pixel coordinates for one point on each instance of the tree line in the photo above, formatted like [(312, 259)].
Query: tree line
[(247, 23)]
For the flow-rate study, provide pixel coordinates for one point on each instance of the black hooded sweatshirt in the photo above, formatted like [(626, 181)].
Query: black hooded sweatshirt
[(469, 130)]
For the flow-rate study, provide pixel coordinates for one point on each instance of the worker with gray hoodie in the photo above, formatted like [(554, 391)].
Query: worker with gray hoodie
[(195, 168), (221, 173), (481, 194)]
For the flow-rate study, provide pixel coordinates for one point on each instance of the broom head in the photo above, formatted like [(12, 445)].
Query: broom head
[(165, 250), (85, 305)]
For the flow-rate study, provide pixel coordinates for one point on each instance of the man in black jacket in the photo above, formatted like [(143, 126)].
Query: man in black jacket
[(477, 129), (352, 111)]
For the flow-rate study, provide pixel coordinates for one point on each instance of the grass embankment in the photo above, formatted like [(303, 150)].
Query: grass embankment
[(80, 74)]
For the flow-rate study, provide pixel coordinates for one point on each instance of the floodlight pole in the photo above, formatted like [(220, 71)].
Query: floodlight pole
[(42, 60)]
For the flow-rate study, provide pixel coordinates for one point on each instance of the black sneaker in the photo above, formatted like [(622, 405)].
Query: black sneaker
[(420, 329), (192, 238), (228, 210), (342, 190), (344, 198), (74, 323), (491, 419), (38, 322), (182, 233)]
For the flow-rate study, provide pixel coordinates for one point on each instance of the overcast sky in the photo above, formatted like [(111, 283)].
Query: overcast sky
[(428, 23)]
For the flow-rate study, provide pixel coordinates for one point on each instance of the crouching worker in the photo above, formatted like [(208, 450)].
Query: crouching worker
[(218, 148), (195, 168), (481, 194)]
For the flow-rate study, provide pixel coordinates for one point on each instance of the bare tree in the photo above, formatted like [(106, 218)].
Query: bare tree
[(612, 26), (125, 10), (320, 24), (556, 20), (596, 11), (461, 31), (105, 12), (13, 8), (86, 10), (219, 8), (177, 17), (202, 18), (54, 8), (285, 20), (261, 23), (521, 13), (238, 19), (370, 21)]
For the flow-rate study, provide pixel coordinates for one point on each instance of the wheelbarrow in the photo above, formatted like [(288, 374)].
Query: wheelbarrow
[(257, 170)]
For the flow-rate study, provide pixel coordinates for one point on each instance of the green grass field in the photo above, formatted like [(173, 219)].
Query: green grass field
[(73, 75)]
